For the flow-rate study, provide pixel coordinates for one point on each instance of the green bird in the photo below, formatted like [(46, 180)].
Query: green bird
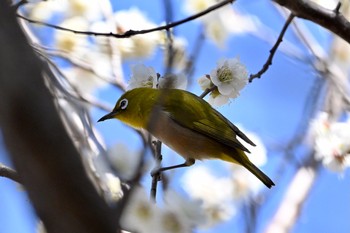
[(187, 124)]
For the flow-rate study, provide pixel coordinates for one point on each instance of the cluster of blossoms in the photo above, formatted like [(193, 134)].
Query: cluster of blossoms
[(178, 214), (331, 142), (215, 194), (329, 4), (230, 76), (96, 60), (100, 54), (143, 76), (218, 25)]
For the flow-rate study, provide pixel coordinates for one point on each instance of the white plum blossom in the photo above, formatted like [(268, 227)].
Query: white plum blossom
[(215, 98), (123, 160), (178, 215), (329, 4), (90, 10), (142, 76), (215, 193), (140, 215), (189, 210), (195, 6), (172, 222), (139, 46), (43, 10), (230, 76), (215, 29), (83, 80), (218, 24), (205, 82), (331, 141), (176, 81), (246, 23), (69, 41), (112, 187), (179, 55), (100, 64)]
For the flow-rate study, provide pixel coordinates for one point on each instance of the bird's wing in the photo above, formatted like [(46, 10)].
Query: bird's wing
[(235, 129), (222, 135), (202, 118)]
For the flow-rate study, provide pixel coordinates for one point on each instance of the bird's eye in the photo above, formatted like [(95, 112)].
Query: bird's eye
[(123, 103)]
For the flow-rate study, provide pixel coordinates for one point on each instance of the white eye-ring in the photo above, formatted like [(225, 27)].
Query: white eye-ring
[(123, 103)]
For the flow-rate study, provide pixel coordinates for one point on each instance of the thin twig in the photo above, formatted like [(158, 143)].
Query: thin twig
[(76, 94), (337, 8), (131, 33), (207, 91), (83, 65), (9, 173), (273, 50), (19, 4), (304, 35), (157, 145)]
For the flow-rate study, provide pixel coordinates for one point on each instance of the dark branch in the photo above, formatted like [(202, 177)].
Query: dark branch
[(157, 149), (337, 8), (332, 20), (9, 173), (19, 4), (273, 50), (42, 152), (131, 33)]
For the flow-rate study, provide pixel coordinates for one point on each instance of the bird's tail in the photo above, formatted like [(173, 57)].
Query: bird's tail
[(241, 158), (258, 173)]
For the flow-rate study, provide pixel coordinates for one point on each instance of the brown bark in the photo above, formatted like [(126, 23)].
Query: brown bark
[(43, 155)]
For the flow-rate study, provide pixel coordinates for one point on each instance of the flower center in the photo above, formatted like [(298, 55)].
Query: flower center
[(224, 74), (144, 211), (148, 82)]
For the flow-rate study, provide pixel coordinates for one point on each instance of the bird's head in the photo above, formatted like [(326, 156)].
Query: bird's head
[(132, 106)]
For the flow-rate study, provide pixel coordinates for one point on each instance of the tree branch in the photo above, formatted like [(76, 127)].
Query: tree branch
[(292, 203), (273, 50), (332, 20), (41, 150), (131, 33), (9, 173)]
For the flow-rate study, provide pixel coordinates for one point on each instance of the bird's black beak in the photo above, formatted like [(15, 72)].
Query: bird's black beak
[(107, 116)]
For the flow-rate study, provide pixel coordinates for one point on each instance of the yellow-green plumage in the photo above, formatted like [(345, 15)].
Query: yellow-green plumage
[(185, 123)]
